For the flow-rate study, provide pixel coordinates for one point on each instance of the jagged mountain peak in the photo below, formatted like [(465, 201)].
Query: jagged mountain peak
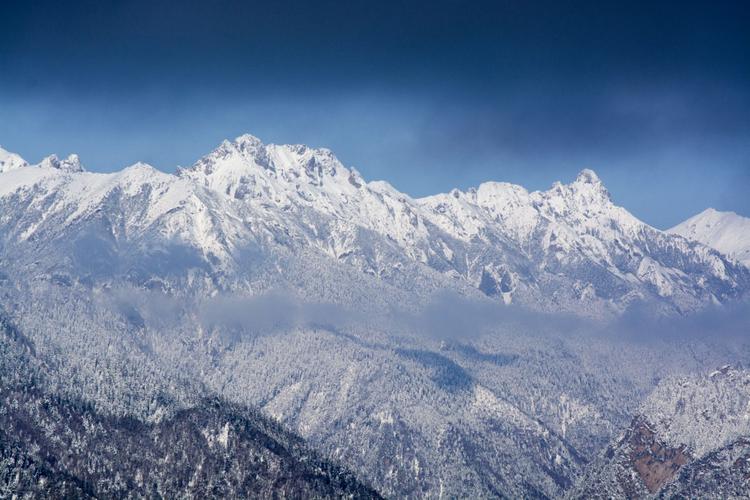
[(587, 187), (248, 169), (245, 148), (241, 142), (71, 164), (586, 190), (247, 153), (588, 176), (10, 161), (248, 140), (583, 202)]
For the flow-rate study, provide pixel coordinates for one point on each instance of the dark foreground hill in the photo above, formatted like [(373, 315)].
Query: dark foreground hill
[(54, 447)]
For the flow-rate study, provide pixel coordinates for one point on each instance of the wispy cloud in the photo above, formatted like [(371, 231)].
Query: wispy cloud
[(447, 316)]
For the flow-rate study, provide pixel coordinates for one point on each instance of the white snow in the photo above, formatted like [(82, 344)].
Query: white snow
[(703, 413), (727, 232), (220, 437), (71, 164), (223, 437), (10, 161)]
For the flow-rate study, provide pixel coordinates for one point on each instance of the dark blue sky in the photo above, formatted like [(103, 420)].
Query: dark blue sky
[(655, 96)]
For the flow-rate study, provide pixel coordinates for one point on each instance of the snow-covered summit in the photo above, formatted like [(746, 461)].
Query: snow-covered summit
[(71, 164), (588, 176), (248, 169), (10, 161), (248, 140), (296, 177), (564, 213), (727, 232), (143, 168)]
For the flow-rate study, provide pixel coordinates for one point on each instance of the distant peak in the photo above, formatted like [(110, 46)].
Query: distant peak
[(10, 161), (71, 164), (710, 211), (711, 214), (588, 176), (140, 166)]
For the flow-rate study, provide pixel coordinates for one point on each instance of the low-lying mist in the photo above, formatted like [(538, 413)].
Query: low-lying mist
[(446, 316)]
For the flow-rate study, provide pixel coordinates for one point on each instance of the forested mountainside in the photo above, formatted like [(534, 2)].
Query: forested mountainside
[(55, 446), (691, 438)]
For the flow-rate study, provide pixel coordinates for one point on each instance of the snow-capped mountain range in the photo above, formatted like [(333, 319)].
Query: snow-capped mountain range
[(569, 248), (727, 232)]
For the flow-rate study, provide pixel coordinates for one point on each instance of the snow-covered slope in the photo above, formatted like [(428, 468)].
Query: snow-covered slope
[(701, 412), (10, 161), (54, 199), (727, 232)]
